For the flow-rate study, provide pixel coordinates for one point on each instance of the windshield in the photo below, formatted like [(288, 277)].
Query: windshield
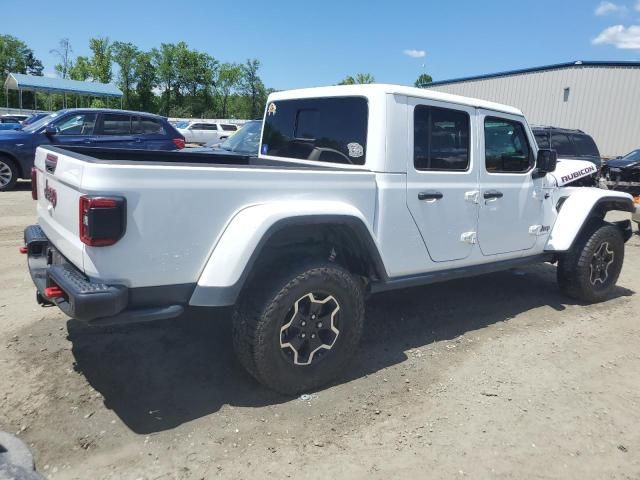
[(42, 122), (245, 140), (632, 157)]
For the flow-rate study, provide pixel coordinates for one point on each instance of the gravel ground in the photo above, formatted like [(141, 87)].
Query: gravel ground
[(492, 377)]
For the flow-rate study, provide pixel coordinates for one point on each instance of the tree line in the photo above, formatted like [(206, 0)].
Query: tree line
[(173, 79)]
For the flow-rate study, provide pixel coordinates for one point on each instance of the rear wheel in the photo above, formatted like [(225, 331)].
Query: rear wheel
[(297, 333), (589, 272), (8, 174)]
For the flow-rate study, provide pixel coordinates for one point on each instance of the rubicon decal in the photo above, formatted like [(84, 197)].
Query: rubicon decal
[(50, 194), (578, 174)]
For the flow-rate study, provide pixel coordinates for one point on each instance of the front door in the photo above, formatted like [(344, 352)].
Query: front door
[(75, 129), (511, 198), (442, 179)]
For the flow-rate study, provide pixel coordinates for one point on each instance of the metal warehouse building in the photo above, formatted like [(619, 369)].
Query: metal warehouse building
[(600, 98)]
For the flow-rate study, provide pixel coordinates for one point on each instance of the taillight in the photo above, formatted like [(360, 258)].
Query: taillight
[(34, 183), (102, 220), (179, 142)]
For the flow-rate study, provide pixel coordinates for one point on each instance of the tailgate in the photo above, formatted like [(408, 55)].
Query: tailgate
[(59, 177)]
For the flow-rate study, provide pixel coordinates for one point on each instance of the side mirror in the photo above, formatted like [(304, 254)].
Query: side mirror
[(546, 161), (51, 130)]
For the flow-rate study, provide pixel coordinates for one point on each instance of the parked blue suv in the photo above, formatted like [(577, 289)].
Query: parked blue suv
[(82, 126)]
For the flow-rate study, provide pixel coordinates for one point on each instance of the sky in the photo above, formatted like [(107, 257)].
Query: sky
[(312, 43)]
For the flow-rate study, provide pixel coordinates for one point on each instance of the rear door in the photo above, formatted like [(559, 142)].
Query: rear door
[(113, 130), (151, 134), (511, 199), (442, 177)]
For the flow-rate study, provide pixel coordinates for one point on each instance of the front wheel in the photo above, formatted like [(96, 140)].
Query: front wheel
[(8, 174), (297, 333), (589, 272)]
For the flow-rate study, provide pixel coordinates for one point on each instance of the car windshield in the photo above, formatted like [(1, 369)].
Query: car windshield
[(245, 140), (42, 122), (632, 157)]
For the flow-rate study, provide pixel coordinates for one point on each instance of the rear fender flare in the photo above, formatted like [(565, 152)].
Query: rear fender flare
[(245, 236)]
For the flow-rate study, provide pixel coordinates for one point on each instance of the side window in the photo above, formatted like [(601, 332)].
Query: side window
[(196, 126), (115, 124), (148, 126), (228, 128), (560, 143), (332, 129), (542, 139), (80, 124), (506, 147), (584, 145), (440, 139)]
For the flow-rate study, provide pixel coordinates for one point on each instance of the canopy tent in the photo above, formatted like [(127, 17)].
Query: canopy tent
[(31, 83)]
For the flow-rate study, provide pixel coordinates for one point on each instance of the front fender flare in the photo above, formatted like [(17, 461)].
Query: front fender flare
[(581, 206), (240, 244)]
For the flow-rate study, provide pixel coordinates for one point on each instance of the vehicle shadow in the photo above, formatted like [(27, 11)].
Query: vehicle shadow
[(157, 376)]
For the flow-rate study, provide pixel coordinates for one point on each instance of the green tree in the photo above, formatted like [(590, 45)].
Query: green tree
[(196, 72), (63, 52), (423, 79), (229, 78), (145, 74), (360, 78), (252, 87), (81, 69), (164, 61), (125, 55), (101, 59), (17, 57)]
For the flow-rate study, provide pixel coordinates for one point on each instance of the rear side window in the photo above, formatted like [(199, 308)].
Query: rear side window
[(228, 128), (147, 126), (330, 130), (542, 139), (115, 124), (560, 143), (506, 146), (585, 146), (440, 139)]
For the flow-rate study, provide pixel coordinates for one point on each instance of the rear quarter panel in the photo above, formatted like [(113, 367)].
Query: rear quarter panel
[(176, 214)]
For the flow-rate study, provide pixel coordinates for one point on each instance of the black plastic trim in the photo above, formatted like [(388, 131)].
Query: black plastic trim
[(454, 273)]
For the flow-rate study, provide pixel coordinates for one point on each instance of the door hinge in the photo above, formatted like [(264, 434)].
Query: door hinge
[(473, 196), (468, 237)]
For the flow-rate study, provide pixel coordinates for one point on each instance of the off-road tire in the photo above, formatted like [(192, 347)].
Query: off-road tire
[(575, 267), (8, 167), (263, 308)]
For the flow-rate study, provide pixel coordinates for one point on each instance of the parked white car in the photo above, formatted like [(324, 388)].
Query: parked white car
[(356, 190), (204, 132)]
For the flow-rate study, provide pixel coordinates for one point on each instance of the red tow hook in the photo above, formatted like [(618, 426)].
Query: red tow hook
[(23, 250), (54, 292)]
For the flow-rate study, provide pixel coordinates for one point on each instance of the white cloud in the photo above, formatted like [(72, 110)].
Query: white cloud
[(609, 7), (50, 74), (627, 38), (415, 53)]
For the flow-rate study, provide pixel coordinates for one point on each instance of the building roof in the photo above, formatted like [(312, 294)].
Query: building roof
[(376, 90), (555, 66), (20, 81)]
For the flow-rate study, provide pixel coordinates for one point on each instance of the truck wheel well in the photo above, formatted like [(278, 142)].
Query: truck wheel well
[(347, 244)]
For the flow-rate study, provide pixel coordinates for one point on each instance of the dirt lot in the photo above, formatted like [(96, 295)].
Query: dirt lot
[(493, 377)]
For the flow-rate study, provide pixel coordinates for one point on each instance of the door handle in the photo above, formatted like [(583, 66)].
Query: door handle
[(492, 194), (430, 195)]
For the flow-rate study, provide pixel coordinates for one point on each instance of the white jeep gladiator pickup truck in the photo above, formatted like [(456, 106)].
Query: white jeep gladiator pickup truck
[(357, 190)]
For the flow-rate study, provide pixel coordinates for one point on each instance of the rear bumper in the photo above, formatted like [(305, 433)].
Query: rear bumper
[(85, 299)]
